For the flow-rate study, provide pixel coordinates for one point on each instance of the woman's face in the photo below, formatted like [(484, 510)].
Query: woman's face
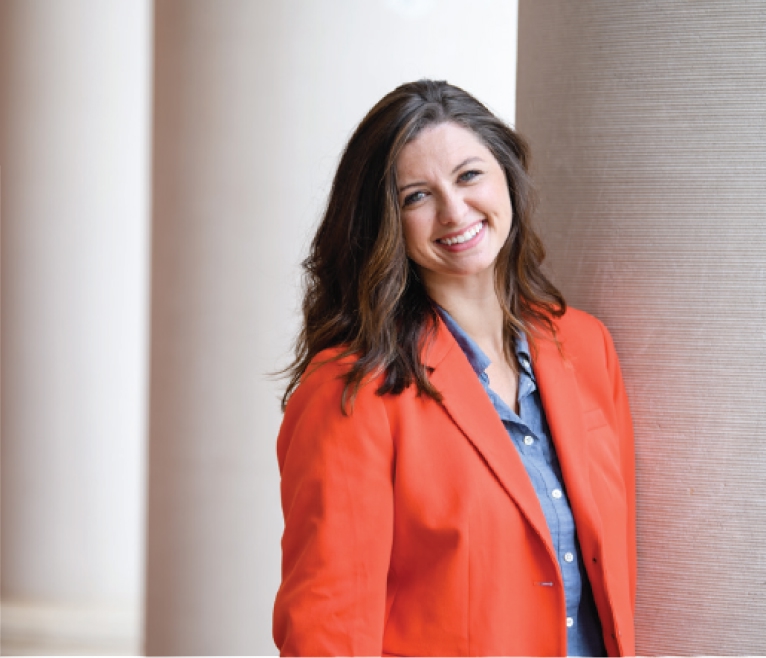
[(455, 205)]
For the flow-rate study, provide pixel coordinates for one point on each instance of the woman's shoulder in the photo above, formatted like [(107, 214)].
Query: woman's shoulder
[(581, 333), (575, 320), (324, 381), (326, 368), (575, 323), (320, 413)]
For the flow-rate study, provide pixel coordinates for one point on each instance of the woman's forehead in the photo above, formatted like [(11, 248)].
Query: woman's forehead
[(442, 146)]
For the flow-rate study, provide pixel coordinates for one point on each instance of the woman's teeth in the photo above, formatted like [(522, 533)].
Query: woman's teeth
[(463, 237)]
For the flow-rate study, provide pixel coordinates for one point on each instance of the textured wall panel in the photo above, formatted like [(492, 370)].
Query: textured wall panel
[(647, 121)]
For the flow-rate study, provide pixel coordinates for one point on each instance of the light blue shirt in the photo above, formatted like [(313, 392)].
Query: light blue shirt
[(530, 435)]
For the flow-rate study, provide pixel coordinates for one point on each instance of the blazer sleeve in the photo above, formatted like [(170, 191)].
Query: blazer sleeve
[(624, 426), (337, 500)]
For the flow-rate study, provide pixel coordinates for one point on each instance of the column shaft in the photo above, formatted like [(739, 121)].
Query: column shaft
[(647, 125)]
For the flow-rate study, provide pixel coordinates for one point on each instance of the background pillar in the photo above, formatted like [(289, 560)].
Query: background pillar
[(647, 123), (253, 104), (74, 149)]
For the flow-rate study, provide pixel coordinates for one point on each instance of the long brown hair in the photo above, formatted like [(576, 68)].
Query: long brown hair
[(363, 293)]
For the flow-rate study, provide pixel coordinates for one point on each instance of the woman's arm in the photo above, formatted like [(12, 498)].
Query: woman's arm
[(627, 454), (337, 500)]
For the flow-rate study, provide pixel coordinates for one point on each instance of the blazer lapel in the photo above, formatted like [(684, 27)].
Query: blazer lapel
[(560, 396), (470, 408)]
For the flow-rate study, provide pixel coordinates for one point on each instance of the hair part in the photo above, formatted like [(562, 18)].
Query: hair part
[(362, 292)]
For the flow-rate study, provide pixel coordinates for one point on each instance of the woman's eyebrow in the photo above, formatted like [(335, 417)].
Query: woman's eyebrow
[(465, 162), (454, 171), (408, 185)]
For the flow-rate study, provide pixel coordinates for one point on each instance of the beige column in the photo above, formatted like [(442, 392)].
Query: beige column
[(74, 84), (253, 102), (648, 127)]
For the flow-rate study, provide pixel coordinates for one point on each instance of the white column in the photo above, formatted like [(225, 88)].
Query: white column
[(74, 109), (253, 103), (648, 131)]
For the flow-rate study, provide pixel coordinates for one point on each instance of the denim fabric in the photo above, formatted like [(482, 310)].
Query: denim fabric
[(530, 435)]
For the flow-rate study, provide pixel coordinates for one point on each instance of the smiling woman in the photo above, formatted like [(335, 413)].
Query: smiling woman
[(456, 451)]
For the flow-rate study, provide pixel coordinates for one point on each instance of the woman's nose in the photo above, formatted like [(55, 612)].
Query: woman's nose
[(452, 207)]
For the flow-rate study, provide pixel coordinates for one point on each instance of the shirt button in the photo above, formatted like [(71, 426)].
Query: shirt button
[(556, 493), (528, 440), (570, 622), (568, 557)]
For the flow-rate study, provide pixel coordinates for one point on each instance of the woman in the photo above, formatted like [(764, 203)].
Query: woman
[(456, 451)]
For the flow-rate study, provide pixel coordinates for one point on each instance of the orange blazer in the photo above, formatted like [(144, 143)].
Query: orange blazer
[(412, 528)]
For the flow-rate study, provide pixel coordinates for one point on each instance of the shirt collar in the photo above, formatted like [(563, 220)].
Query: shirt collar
[(476, 357)]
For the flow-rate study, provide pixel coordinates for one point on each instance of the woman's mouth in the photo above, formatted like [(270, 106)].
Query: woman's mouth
[(469, 235)]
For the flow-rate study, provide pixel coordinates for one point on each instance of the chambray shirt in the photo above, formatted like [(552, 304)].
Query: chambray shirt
[(530, 435)]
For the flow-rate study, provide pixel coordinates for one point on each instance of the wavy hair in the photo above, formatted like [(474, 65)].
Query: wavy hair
[(362, 292)]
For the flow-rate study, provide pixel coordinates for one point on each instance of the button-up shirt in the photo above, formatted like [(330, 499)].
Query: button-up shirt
[(529, 433)]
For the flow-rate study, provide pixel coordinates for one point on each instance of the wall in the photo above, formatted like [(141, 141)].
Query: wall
[(647, 124)]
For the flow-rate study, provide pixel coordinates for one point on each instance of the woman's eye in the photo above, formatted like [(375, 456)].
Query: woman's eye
[(468, 175), (413, 198)]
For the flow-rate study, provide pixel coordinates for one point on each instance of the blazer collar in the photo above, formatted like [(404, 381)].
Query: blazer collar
[(470, 408), (563, 405)]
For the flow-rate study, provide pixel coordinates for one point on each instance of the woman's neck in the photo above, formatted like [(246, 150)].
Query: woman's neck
[(477, 310)]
